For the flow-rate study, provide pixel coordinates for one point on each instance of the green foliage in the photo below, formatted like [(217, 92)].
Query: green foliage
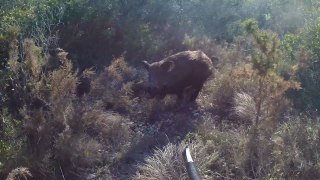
[(313, 39), (219, 19), (308, 74), (144, 29), (266, 55), (265, 60), (12, 141), (19, 14), (290, 45)]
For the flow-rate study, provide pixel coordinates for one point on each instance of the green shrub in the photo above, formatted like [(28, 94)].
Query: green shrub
[(12, 142)]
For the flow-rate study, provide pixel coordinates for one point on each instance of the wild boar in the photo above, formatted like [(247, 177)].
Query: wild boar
[(176, 74)]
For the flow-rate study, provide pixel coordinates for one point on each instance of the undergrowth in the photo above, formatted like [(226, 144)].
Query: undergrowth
[(242, 123)]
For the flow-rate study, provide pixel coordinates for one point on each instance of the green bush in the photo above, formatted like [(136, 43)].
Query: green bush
[(12, 142), (308, 74)]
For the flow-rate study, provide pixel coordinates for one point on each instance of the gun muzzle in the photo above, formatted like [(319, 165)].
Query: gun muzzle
[(191, 167)]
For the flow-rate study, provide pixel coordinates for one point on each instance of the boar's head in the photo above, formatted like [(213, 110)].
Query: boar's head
[(157, 81)]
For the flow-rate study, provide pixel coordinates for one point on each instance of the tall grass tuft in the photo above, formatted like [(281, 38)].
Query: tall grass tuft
[(19, 173), (168, 163)]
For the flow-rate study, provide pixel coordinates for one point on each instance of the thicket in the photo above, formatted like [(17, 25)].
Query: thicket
[(95, 31), (58, 134), (73, 106)]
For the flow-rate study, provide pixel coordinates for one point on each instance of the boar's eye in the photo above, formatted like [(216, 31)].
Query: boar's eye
[(152, 91)]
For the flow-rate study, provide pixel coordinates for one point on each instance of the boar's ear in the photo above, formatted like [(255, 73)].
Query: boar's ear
[(167, 66), (146, 64)]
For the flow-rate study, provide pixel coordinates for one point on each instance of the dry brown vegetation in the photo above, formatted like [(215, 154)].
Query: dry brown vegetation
[(64, 133)]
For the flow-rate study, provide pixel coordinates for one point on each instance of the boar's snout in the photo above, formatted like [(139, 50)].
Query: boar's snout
[(152, 92)]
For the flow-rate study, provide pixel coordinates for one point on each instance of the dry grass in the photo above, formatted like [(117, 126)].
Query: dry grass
[(289, 151), (75, 152), (164, 164), (109, 127), (296, 149), (66, 132), (244, 107), (19, 173), (168, 163), (228, 144), (217, 95), (114, 86)]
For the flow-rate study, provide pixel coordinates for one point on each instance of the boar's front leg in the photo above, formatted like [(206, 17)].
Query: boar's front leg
[(196, 92), (162, 93)]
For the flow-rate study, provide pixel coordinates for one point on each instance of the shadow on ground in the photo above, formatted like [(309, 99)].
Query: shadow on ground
[(166, 126)]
